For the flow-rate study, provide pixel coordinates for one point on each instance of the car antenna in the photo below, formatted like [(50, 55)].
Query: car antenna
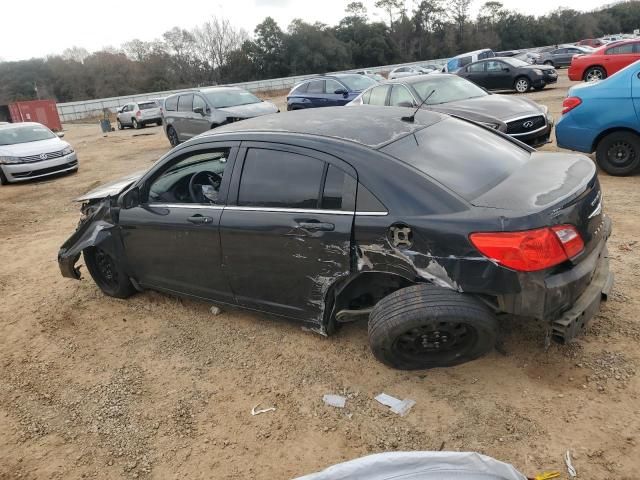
[(412, 118)]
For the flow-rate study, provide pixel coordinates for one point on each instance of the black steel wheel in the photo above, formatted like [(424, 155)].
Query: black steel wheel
[(425, 326), (619, 153), (172, 135), (107, 273)]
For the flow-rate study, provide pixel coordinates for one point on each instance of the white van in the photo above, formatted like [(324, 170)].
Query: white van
[(459, 61)]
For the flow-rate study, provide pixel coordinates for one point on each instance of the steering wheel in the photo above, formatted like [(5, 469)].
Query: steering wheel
[(209, 178)]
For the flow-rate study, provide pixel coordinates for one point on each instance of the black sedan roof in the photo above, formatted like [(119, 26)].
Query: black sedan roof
[(368, 125)]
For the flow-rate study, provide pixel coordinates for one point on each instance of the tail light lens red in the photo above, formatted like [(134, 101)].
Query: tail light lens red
[(138, 113), (530, 250), (570, 103)]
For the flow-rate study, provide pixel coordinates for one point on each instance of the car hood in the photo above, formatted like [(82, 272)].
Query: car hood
[(503, 107), (111, 188), (33, 148), (473, 115), (250, 110)]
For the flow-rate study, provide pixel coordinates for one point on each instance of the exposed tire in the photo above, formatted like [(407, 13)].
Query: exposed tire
[(424, 326), (120, 127), (135, 124), (619, 153), (595, 74), (550, 63), (173, 136), (107, 273), (3, 179), (522, 85), (537, 89)]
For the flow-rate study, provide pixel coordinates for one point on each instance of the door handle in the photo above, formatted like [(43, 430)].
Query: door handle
[(317, 226), (200, 220)]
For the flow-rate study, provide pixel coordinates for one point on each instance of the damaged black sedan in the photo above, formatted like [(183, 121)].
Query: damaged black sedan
[(430, 226)]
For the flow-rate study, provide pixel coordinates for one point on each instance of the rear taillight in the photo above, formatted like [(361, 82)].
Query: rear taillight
[(138, 113), (570, 103), (530, 250)]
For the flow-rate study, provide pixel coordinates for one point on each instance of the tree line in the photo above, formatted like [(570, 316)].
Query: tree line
[(217, 52)]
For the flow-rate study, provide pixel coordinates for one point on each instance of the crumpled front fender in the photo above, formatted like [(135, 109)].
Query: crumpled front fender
[(95, 230)]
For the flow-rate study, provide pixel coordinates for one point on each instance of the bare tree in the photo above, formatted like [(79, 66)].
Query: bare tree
[(77, 54), (392, 7), (215, 40), (460, 15)]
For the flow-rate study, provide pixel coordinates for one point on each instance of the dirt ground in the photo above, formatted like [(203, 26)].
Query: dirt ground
[(159, 387)]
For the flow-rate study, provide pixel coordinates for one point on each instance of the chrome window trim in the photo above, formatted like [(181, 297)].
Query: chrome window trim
[(265, 209)]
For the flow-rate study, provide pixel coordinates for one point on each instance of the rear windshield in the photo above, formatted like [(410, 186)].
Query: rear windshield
[(147, 105), (463, 157), (24, 134), (230, 98)]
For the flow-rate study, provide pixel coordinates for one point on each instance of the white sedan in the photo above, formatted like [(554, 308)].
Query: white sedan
[(30, 150)]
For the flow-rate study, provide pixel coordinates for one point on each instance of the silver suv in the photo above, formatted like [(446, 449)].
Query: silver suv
[(193, 112), (137, 115)]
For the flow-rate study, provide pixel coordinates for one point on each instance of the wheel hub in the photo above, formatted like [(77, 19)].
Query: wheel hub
[(621, 153), (433, 339)]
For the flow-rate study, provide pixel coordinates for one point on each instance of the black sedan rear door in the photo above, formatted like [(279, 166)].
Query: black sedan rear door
[(286, 232)]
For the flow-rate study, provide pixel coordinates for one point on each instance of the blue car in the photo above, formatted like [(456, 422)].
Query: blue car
[(328, 91), (604, 117)]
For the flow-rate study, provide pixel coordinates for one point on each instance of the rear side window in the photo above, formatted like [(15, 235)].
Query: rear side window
[(339, 190), (147, 105), (366, 96), (461, 156), (316, 86), (621, 49), (272, 178), (367, 201), (379, 95), (171, 104), (185, 103), (464, 61)]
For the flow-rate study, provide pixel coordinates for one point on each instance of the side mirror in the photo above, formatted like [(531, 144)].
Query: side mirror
[(130, 198), (505, 69), (405, 104), (199, 110), (341, 91), (60, 134)]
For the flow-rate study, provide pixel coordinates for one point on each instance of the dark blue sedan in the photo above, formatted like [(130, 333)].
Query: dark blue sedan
[(328, 91), (602, 117)]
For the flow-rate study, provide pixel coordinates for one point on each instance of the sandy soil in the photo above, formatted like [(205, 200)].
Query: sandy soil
[(158, 387)]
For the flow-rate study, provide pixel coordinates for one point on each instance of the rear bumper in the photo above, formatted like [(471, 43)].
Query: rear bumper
[(566, 300), (575, 74), (19, 172)]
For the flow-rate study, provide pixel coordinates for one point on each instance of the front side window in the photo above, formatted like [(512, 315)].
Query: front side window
[(465, 61), (194, 179), (198, 102), (400, 97), (330, 86), (277, 179), (302, 88), (493, 66), (185, 103)]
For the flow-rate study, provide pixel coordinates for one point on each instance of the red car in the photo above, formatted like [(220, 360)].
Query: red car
[(591, 42), (604, 61)]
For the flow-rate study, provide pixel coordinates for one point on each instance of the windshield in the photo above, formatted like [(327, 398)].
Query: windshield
[(448, 88), (515, 62), (356, 83), (230, 98), (25, 134)]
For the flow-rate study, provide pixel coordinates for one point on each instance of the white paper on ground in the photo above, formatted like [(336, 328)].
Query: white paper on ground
[(401, 407), (337, 401)]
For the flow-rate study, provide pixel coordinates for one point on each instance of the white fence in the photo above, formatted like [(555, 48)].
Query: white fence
[(90, 108)]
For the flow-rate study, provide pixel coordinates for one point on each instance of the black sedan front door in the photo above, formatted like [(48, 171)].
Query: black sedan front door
[(286, 233), (171, 240), (499, 75)]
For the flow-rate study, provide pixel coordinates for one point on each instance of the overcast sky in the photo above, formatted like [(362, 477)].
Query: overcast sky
[(35, 28)]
